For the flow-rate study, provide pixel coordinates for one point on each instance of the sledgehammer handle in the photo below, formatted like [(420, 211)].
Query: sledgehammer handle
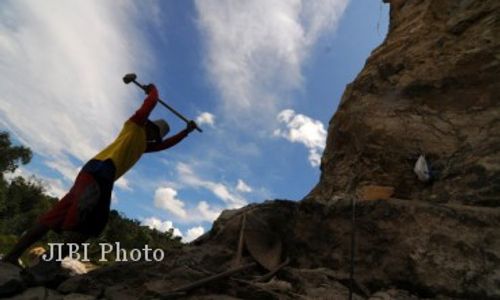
[(168, 106)]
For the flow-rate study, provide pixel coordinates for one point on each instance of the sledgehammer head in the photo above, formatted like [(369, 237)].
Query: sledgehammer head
[(129, 78)]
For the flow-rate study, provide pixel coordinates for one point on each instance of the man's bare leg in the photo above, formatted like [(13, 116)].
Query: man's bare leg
[(27, 239)]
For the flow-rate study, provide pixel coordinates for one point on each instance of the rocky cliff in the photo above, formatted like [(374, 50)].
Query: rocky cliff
[(432, 88)]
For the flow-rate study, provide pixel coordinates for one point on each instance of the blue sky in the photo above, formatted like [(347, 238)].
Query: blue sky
[(261, 78)]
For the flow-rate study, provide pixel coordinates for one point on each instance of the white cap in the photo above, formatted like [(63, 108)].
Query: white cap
[(162, 126)]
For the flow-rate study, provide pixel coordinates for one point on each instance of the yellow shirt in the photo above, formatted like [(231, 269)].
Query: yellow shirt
[(126, 149)]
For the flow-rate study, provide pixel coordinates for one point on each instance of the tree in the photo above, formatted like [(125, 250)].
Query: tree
[(10, 156)]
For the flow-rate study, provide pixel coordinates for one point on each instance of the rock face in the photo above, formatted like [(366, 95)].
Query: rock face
[(404, 250), (10, 280), (431, 88)]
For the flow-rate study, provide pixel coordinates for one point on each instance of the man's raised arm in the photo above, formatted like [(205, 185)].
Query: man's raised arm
[(142, 114), (173, 140)]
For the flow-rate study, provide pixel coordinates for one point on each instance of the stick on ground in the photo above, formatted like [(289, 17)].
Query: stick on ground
[(269, 275), (209, 279), (239, 252)]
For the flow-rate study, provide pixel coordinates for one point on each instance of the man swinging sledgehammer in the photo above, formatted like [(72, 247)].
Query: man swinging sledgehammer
[(85, 208)]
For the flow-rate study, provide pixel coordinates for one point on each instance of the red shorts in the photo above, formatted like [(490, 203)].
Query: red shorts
[(85, 208)]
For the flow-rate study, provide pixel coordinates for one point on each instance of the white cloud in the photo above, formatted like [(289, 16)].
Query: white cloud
[(62, 94), (163, 226), (206, 118), (52, 186), (223, 192), (256, 49), (166, 198), (243, 187), (302, 129), (64, 167), (193, 233), (206, 213), (114, 198), (123, 183)]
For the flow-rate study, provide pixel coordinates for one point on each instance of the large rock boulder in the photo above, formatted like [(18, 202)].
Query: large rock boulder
[(11, 281), (431, 88), (427, 249), (404, 250)]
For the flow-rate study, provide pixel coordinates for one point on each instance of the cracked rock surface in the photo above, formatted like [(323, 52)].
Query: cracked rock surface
[(431, 88)]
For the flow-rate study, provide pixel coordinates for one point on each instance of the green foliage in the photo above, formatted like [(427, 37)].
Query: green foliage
[(11, 155), (23, 201), (6, 241)]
